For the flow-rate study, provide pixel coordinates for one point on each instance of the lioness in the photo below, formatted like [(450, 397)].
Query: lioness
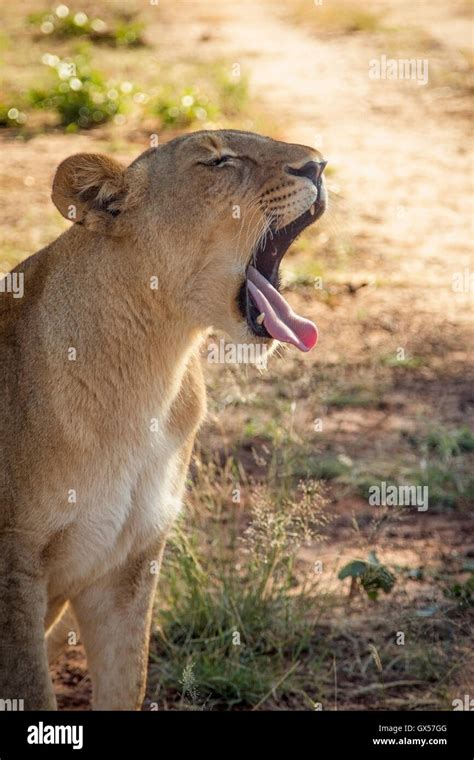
[(102, 390)]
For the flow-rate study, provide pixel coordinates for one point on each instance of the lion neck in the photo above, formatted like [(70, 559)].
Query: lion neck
[(138, 332)]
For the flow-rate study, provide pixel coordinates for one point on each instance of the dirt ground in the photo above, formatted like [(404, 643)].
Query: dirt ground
[(397, 232)]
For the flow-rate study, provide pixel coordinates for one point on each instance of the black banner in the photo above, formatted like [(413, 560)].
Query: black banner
[(372, 734)]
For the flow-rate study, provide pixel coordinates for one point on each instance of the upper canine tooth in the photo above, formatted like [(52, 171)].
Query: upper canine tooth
[(260, 318), (312, 209)]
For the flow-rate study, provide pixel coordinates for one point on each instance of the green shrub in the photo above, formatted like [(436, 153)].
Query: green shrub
[(461, 593), (62, 23), (11, 115), (450, 443), (184, 108), (216, 95), (80, 95)]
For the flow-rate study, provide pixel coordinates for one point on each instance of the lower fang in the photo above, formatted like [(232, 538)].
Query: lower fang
[(312, 210), (260, 318)]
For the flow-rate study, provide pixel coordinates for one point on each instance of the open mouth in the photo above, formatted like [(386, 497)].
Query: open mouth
[(266, 311)]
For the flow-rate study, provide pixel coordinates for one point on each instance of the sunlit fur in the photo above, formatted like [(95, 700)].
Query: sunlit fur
[(102, 391)]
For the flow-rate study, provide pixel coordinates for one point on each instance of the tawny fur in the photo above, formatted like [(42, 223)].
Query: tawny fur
[(102, 392)]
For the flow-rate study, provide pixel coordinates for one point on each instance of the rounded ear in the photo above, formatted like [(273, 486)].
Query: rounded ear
[(90, 188)]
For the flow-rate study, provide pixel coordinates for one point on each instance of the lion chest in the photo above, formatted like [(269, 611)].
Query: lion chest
[(128, 495), (119, 512)]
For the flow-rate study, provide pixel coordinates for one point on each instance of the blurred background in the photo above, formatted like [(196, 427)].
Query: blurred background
[(282, 587)]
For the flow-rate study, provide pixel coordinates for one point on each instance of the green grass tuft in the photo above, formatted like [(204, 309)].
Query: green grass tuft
[(80, 95), (236, 619), (61, 23)]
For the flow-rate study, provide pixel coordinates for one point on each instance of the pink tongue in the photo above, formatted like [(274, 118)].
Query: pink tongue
[(280, 320)]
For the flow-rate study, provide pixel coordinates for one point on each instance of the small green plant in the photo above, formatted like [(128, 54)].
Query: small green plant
[(184, 108), (190, 695), (62, 23), (446, 468), (371, 575), (462, 593), (11, 115), (450, 443), (217, 94), (80, 95)]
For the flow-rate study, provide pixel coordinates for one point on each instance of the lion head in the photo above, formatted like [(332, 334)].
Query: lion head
[(211, 214)]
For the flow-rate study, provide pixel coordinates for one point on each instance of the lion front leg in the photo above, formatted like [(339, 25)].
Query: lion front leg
[(114, 617), (23, 662)]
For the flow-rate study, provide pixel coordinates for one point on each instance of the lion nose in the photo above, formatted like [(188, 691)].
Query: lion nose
[(312, 170)]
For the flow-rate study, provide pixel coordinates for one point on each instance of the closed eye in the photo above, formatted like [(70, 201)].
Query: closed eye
[(218, 160)]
